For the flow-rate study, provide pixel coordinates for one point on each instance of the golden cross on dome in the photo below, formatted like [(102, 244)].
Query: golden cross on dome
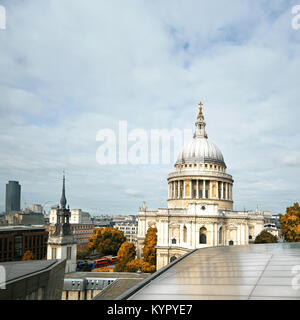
[(201, 105), (200, 111)]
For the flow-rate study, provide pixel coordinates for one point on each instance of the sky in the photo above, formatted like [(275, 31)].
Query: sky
[(70, 68)]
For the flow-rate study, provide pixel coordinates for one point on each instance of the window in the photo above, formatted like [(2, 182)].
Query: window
[(69, 253), (174, 241), (221, 235), (202, 237), (18, 246), (53, 253), (173, 259), (195, 194), (184, 234)]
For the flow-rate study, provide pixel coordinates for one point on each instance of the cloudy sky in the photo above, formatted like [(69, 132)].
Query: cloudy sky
[(70, 68)]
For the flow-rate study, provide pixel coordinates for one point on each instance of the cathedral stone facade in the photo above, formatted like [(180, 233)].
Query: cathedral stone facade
[(200, 205)]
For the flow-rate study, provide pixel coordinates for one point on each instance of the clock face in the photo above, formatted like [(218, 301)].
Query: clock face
[(203, 207)]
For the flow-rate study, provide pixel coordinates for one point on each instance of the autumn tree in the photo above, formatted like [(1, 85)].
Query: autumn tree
[(82, 254), (104, 269), (106, 241), (138, 264), (149, 251), (265, 237), (290, 223), (126, 253), (28, 255)]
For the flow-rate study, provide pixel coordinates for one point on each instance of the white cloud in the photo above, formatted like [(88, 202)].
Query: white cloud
[(70, 68)]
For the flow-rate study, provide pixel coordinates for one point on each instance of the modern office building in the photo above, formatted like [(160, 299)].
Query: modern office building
[(16, 240), (13, 196)]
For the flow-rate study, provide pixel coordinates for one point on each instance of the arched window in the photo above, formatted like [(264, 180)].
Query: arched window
[(231, 243), (173, 241), (202, 235), (184, 234), (221, 235), (173, 258)]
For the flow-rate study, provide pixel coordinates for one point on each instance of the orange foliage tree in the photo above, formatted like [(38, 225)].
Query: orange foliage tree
[(125, 254), (28, 255), (106, 241), (149, 251), (138, 264), (290, 223), (104, 269)]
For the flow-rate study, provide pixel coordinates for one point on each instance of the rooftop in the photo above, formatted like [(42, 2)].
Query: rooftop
[(252, 272), (19, 269)]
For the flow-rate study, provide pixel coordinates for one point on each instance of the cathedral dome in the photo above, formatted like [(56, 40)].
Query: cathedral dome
[(200, 149)]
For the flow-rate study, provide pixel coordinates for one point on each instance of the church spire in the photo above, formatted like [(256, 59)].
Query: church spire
[(63, 200), (200, 124)]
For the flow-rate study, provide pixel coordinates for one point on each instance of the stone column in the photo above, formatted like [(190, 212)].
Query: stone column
[(174, 190), (217, 191), (239, 234), (178, 189), (212, 234), (181, 234), (197, 191), (193, 235), (210, 189), (203, 191), (243, 234), (226, 191), (222, 191), (216, 234), (189, 235)]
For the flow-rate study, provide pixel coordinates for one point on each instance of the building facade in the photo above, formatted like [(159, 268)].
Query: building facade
[(129, 229), (81, 232), (200, 204), (16, 240)]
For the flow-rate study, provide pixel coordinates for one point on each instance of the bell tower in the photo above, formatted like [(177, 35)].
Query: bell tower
[(61, 243)]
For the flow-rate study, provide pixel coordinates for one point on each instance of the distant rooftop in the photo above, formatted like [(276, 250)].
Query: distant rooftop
[(252, 272), (21, 228)]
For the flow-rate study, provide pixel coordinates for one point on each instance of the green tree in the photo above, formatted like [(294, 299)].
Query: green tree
[(126, 253), (290, 223), (265, 237), (106, 241)]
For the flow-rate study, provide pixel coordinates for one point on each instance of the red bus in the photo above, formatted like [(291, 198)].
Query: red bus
[(113, 260), (101, 263)]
